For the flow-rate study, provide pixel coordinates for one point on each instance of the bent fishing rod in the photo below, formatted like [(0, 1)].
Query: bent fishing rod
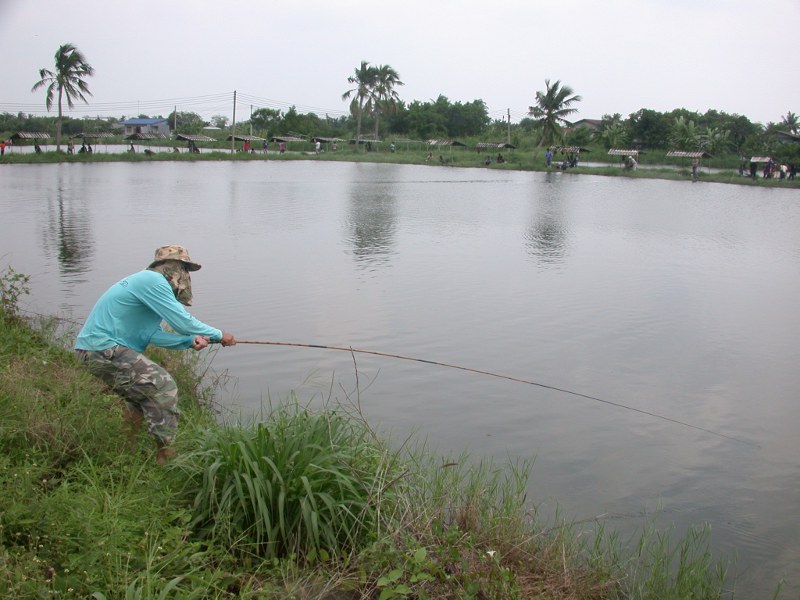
[(500, 376)]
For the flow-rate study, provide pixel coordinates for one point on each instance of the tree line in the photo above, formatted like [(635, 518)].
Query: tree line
[(375, 107)]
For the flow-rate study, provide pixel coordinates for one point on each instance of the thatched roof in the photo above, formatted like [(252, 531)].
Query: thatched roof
[(761, 159), (327, 140), (286, 138)]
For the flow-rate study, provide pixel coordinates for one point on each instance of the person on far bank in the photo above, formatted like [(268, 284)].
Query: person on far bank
[(125, 320)]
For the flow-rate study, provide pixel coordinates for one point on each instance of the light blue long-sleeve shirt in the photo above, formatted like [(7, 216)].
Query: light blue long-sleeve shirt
[(130, 314)]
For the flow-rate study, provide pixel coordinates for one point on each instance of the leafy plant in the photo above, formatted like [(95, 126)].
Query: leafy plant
[(12, 286)]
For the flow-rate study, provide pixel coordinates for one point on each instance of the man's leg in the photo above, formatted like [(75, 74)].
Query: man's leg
[(155, 393), (150, 393)]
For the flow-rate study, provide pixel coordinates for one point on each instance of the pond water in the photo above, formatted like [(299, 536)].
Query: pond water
[(667, 297)]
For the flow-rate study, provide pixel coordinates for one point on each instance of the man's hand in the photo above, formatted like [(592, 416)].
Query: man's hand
[(227, 339), (200, 342)]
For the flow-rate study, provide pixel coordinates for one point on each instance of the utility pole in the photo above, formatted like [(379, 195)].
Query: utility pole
[(251, 120), (233, 125), (509, 126), (175, 120)]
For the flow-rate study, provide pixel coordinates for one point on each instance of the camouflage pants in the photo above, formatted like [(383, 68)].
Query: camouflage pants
[(148, 389)]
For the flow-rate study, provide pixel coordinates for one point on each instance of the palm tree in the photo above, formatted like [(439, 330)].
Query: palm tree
[(384, 95), (552, 108), (364, 79), (67, 81), (790, 122)]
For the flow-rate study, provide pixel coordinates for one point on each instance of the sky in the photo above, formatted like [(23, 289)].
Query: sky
[(151, 57)]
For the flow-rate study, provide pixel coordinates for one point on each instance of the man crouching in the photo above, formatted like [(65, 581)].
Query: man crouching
[(125, 320)]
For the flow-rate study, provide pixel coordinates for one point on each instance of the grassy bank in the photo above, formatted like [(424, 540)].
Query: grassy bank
[(655, 166), (303, 504)]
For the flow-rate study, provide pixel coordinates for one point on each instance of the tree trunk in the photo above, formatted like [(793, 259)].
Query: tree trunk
[(58, 122)]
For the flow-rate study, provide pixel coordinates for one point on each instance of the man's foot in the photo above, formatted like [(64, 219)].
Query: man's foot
[(164, 455)]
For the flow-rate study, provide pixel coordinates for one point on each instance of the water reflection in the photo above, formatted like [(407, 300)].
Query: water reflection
[(546, 238), (69, 227), (372, 221)]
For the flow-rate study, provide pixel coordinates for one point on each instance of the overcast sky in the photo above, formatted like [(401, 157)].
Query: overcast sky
[(736, 56)]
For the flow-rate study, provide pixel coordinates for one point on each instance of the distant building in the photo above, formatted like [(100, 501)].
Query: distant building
[(134, 126), (594, 124)]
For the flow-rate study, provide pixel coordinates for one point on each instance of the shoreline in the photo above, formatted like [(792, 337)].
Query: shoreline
[(516, 161)]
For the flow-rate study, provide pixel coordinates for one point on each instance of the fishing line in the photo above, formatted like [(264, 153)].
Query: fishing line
[(501, 376), (479, 372)]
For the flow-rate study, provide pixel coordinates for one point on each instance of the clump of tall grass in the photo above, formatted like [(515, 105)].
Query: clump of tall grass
[(301, 483)]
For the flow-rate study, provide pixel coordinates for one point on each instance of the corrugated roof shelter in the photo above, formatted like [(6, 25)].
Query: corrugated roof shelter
[(494, 145), (31, 135), (624, 152), (569, 149), (98, 135), (146, 136), (244, 138), (760, 159), (286, 138), (190, 137), (445, 143), (688, 154)]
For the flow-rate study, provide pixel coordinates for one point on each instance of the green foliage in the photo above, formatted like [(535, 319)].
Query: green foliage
[(300, 483), (663, 569), (12, 286)]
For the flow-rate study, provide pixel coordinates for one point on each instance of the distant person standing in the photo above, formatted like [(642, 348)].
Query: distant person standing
[(695, 164), (2, 147), (548, 157)]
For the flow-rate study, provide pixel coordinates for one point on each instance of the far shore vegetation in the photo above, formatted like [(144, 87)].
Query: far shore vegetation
[(729, 145), (655, 165), (307, 501)]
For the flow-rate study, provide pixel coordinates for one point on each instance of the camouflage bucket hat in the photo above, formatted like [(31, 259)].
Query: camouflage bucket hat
[(174, 252)]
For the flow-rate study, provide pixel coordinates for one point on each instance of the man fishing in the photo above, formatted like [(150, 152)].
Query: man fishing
[(125, 320)]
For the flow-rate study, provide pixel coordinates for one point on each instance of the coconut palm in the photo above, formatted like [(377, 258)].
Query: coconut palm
[(551, 109), (364, 78), (791, 122), (384, 95), (67, 81)]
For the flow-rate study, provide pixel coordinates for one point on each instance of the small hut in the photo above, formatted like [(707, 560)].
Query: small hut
[(247, 142), (192, 140), (330, 142), (629, 157), (89, 137), (145, 137), (446, 143), (481, 146), (282, 140), (29, 136)]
